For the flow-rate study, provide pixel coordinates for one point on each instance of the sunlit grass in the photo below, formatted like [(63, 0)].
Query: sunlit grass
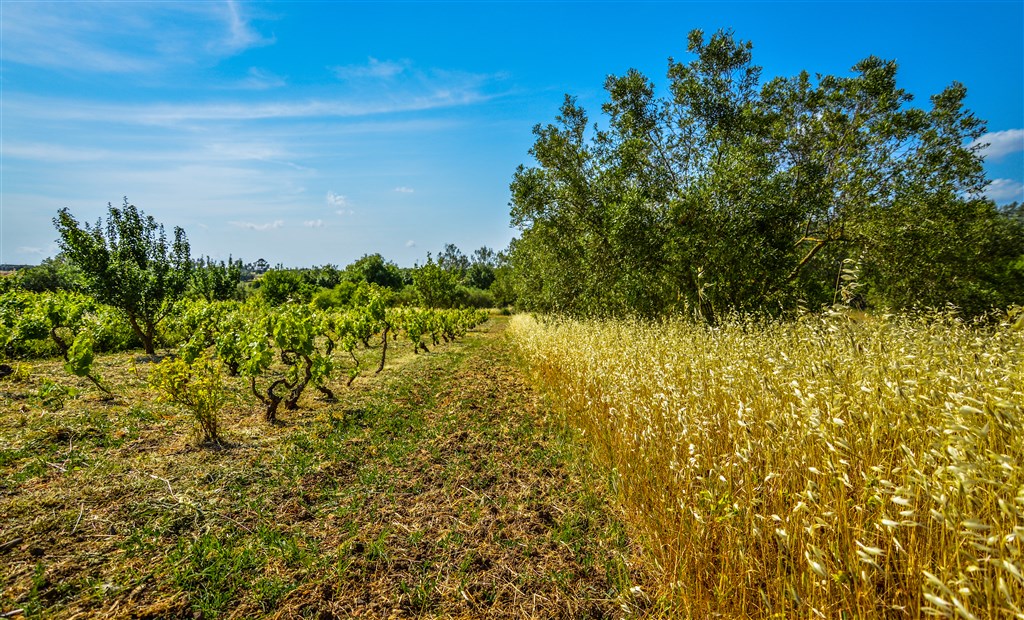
[(823, 467)]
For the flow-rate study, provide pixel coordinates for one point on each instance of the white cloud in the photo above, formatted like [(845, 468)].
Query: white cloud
[(336, 200), (404, 190), (410, 243), (63, 37), (76, 36), (313, 223), (372, 69), (438, 91), (1003, 191), (240, 35), (173, 113), (254, 226), (259, 79), (1001, 143)]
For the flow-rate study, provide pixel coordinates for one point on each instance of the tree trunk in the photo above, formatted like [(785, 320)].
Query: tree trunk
[(145, 336)]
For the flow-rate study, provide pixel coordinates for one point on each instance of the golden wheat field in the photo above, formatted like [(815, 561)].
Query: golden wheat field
[(831, 466)]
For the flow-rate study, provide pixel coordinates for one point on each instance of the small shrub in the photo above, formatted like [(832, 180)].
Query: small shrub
[(197, 386)]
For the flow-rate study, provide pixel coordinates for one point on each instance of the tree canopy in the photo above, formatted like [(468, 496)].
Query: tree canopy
[(730, 193), (127, 262)]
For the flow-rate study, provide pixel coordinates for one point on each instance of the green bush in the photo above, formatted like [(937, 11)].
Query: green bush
[(338, 297), (470, 297), (196, 386)]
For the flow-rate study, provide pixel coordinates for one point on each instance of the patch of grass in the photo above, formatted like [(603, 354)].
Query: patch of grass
[(419, 490), (212, 570)]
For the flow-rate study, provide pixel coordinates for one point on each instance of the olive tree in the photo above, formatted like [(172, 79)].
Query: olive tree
[(733, 194)]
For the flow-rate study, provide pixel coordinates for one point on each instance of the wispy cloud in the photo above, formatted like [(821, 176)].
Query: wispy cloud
[(1001, 143), (58, 153), (63, 36), (1003, 191), (254, 226), (76, 36), (379, 69), (240, 34), (404, 190), (172, 113), (313, 223), (259, 79), (410, 243)]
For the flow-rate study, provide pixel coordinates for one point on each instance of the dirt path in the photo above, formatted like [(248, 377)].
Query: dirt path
[(434, 489)]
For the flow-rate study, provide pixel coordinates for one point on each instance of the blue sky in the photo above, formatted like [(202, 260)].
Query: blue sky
[(315, 132)]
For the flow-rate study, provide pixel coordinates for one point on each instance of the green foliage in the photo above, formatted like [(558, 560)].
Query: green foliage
[(416, 322), (408, 296), (249, 338), (128, 263), (67, 320), (112, 332), (53, 274), (279, 286), (480, 276), (452, 259), (327, 276), (503, 287), (346, 329), (8, 283), (195, 384), (472, 297), (437, 287), (439, 324), (373, 269), (196, 325), (282, 350), (216, 281), (53, 396), (80, 355), (733, 194), (338, 297)]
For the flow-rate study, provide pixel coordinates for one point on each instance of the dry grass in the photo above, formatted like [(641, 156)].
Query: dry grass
[(431, 490), (828, 467)]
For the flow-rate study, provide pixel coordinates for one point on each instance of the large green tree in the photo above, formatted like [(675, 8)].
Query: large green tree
[(730, 193), (128, 263), (374, 269), (436, 287)]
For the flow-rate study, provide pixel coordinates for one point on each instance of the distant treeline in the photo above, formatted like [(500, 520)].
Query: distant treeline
[(453, 280)]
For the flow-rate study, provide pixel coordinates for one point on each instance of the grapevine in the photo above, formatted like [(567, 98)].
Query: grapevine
[(65, 319)]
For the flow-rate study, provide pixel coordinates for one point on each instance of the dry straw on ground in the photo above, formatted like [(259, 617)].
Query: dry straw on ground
[(825, 467)]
